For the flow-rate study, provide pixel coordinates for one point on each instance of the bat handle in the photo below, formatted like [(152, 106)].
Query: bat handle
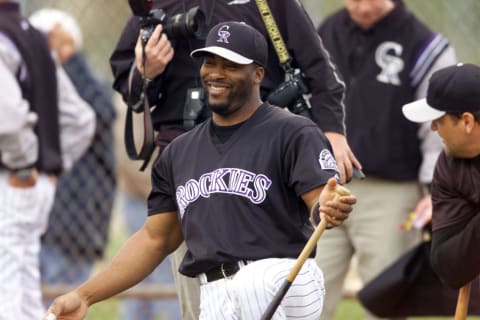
[(462, 302)]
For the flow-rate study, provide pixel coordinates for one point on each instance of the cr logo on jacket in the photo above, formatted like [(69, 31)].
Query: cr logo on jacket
[(388, 58)]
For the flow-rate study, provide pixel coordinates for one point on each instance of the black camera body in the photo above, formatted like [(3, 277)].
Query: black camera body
[(290, 94), (190, 24)]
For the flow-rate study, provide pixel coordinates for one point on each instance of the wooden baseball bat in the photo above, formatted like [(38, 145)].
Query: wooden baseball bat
[(462, 302), (307, 250)]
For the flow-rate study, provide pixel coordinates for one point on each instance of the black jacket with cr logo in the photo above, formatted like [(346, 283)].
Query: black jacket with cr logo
[(382, 68)]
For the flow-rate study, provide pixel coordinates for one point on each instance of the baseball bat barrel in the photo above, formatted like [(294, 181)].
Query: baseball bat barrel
[(304, 255), (312, 242), (272, 307), (462, 302)]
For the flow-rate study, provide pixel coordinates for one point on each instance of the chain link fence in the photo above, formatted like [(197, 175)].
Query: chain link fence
[(101, 22)]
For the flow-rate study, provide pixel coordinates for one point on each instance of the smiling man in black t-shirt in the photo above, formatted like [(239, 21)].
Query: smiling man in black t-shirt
[(240, 188), (453, 106)]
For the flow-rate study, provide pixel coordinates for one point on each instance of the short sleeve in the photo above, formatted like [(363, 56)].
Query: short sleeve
[(162, 196), (309, 161)]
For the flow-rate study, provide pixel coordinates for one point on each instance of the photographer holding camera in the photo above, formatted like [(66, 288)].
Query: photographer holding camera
[(162, 65)]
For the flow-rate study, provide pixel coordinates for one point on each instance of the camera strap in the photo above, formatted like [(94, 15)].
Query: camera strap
[(283, 95), (148, 134), (274, 33)]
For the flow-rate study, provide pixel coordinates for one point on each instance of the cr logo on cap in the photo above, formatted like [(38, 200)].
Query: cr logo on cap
[(223, 34)]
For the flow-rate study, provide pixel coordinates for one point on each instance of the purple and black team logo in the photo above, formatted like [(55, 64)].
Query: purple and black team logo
[(223, 34), (327, 161), (224, 180)]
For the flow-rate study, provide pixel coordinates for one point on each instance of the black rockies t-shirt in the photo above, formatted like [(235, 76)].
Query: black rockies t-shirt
[(241, 199)]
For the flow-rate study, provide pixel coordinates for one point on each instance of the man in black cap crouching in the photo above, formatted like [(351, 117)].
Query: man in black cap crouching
[(453, 106)]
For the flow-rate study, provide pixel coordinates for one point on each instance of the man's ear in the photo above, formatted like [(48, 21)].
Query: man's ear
[(259, 74), (468, 120)]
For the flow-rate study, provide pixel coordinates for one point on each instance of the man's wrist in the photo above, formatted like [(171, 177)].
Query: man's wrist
[(315, 214)]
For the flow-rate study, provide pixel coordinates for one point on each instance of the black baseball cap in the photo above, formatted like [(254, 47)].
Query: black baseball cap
[(453, 89), (237, 42)]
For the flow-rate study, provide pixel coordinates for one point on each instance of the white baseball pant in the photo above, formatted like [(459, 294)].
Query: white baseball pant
[(247, 294), (23, 218)]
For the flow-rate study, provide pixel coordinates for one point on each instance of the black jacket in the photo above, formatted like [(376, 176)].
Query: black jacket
[(168, 91), (382, 68)]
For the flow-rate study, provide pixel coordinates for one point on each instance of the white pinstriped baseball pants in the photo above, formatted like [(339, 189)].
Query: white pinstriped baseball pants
[(23, 218), (247, 294)]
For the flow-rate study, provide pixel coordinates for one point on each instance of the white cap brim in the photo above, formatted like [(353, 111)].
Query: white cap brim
[(420, 111), (224, 53)]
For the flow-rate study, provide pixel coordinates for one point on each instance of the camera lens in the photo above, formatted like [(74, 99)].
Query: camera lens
[(187, 25)]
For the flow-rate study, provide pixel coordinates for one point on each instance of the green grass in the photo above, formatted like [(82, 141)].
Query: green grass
[(350, 309), (105, 310)]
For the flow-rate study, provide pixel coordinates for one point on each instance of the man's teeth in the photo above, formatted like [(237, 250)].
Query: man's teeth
[(215, 88)]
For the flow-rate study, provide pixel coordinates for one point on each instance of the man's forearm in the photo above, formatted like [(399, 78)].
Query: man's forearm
[(136, 260)]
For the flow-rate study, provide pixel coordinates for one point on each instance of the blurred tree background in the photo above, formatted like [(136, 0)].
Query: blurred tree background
[(102, 21)]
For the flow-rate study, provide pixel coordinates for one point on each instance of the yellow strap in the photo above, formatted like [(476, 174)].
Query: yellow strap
[(273, 31)]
